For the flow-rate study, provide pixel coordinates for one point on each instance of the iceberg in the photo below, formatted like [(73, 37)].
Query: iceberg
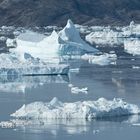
[(67, 41), (77, 90), (56, 109), (16, 64)]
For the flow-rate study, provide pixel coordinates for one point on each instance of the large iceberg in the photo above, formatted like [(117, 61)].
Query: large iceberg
[(55, 109), (67, 41)]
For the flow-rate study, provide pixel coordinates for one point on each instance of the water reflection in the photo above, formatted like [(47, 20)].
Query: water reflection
[(16, 84), (70, 126)]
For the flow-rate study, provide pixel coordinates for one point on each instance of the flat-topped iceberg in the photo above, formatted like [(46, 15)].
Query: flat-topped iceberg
[(55, 109), (16, 64), (67, 41)]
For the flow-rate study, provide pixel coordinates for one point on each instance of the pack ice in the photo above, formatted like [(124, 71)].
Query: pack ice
[(67, 41), (112, 35), (55, 109)]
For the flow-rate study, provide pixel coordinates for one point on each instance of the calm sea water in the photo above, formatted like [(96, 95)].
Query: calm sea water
[(114, 81)]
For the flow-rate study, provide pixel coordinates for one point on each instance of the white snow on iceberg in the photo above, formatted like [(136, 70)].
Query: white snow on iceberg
[(55, 109), (67, 41), (72, 40)]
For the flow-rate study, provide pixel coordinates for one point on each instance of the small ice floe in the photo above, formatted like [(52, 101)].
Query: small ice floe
[(104, 59), (132, 46), (76, 70), (56, 109), (96, 131), (7, 124), (135, 67), (136, 124), (77, 90)]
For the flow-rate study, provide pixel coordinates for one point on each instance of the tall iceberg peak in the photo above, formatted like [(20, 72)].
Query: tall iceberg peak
[(69, 33), (72, 37)]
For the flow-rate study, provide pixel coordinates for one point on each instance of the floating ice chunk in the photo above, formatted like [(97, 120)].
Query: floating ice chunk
[(132, 46), (11, 42), (76, 70), (55, 109), (96, 131), (15, 64), (136, 124), (6, 125), (104, 59), (77, 90), (70, 85), (135, 67)]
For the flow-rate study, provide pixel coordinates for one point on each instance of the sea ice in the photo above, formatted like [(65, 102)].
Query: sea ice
[(77, 90)]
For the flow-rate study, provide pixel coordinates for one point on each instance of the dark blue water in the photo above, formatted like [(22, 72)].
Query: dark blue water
[(113, 81)]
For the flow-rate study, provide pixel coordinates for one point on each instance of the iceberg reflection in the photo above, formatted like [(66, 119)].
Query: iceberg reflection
[(16, 83), (68, 126)]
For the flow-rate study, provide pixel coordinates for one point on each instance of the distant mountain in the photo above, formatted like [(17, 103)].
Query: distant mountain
[(56, 12)]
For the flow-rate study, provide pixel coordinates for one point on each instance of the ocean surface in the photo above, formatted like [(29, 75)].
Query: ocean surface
[(113, 81)]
